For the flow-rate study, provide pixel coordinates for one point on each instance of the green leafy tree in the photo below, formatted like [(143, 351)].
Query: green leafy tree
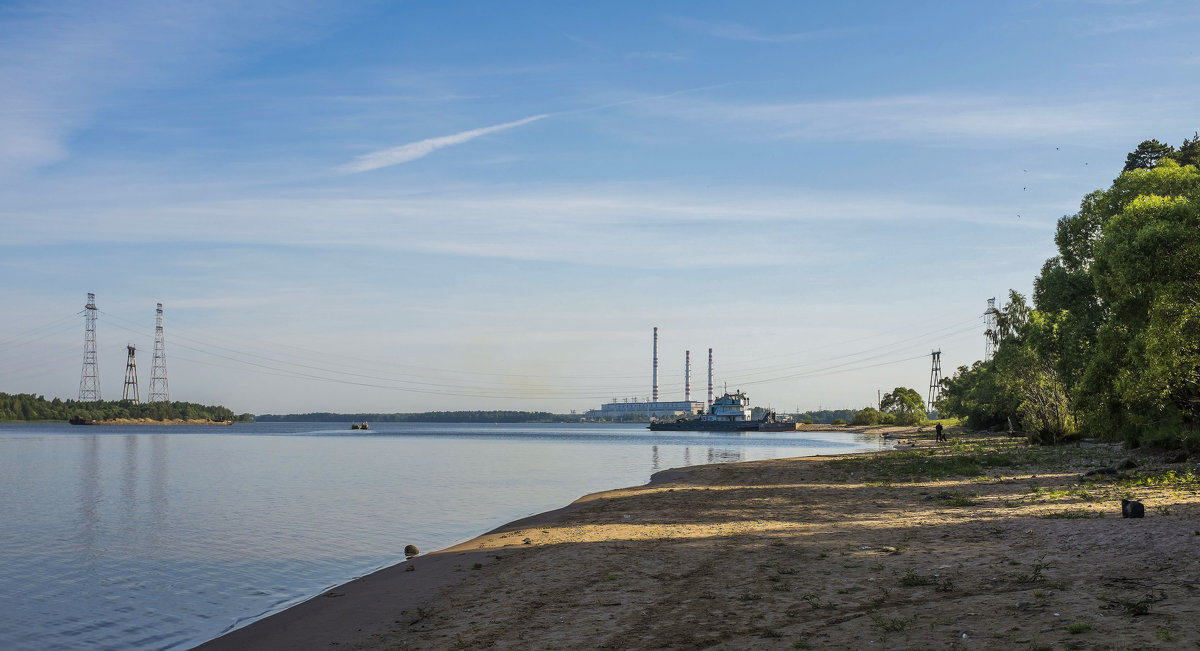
[(972, 394), (1143, 377), (1029, 381), (867, 416), (1189, 151), (905, 405), (1148, 155)]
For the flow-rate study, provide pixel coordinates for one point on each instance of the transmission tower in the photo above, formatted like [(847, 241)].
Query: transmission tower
[(935, 379), (89, 380), (131, 386), (991, 337), (158, 372)]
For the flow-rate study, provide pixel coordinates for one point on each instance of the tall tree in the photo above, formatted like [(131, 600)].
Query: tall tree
[(1144, 376), (905, 404), (1147, 155), (1189, 151)]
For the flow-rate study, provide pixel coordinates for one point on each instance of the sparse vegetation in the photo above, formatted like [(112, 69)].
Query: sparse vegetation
[(889, 624), (1035, 572), (912, 578), (973, 457), (1075, 628), (1073, 514)]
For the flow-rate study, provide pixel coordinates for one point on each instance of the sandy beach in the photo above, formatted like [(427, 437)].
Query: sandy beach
[(984, 542)]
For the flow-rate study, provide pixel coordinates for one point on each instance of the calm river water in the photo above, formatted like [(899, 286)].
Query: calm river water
[(164, 537)]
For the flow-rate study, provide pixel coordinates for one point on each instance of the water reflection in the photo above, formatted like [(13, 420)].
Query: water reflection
[(158, 490), (725, 455), (129, 478), (89, 499), (160, 539)]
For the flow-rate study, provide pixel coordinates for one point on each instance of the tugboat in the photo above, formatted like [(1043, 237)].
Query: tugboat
[(729, 413)]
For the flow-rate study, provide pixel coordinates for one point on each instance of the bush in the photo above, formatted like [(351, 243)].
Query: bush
[(839, 422), (909, 418), (868, 416)]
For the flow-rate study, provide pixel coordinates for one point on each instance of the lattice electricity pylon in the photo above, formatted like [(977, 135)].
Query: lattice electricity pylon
[(131, 386), (158, 371), (935, 380), (89, 379), (991, 337)]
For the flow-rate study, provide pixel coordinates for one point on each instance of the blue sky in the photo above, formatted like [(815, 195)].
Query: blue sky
[(404, 206)]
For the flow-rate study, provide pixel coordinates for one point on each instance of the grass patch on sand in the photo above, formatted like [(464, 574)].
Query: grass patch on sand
[(1165, 479), (972, 456)]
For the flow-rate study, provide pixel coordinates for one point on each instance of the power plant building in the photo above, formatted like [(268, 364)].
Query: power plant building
[(654, 408), (625, 410)]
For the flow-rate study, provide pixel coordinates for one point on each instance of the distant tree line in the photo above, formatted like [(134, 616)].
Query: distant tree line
[(815, 416), (424, 417), (29, 407), (1110, 346)]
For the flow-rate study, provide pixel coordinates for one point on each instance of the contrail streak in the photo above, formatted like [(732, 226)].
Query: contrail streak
[(414, 150)]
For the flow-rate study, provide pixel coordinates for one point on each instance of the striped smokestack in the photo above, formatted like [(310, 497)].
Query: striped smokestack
[(710, 379), (655, 386), (687, 376)]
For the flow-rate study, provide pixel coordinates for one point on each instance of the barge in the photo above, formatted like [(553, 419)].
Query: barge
[(729, 413)]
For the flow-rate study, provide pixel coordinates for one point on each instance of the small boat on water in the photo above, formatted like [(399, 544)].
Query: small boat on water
[(362, 425)]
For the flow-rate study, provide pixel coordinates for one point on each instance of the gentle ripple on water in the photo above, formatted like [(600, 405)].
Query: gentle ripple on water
[(161, 538)]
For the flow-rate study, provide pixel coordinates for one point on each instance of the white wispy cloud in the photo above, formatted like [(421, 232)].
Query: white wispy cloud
[(414, 150), (605, 226), (735, 31), (62, 62), (985, 118)]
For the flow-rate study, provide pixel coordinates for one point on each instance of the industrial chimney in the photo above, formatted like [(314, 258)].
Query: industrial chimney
[(710, 380), (655, 391), (687, 376)]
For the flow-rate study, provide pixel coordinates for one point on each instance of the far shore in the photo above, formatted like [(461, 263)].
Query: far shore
[(151, 421), (982, 542)]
